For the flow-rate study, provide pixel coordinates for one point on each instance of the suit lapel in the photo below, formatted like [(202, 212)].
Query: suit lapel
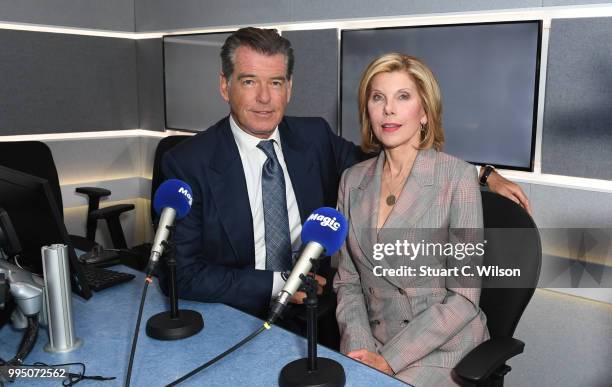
[(403, 222), (417, 192), (230, 195), (363, 208), (299, 165), (415, 198)]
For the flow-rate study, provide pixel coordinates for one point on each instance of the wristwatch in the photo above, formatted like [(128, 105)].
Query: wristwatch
[(485, 174)]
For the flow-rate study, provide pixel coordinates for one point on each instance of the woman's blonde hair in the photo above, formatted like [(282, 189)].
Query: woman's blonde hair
[(427, 87)]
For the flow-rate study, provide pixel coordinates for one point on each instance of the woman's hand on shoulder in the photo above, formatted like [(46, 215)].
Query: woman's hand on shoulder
[(512, 191)]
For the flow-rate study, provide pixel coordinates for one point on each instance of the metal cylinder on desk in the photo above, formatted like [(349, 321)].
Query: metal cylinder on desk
[(58, 299)]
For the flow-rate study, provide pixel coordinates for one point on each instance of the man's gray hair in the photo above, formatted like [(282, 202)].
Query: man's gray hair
[(264, 41)]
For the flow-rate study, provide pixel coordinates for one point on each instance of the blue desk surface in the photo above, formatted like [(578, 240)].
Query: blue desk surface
[(106, 322)]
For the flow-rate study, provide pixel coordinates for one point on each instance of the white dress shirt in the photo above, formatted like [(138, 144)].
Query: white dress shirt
[(253, 160)]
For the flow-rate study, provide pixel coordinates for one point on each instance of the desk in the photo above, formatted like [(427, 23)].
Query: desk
[(106, 323)]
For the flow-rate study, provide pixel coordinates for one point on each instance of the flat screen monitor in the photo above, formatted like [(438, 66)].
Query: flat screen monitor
[(33, 212), (488, 75)]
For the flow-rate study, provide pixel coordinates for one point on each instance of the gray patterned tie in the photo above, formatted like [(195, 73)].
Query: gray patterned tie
[(276, 219)]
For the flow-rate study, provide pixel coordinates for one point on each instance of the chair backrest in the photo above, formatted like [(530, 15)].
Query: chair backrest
[(164, 145), (504, 299), (33, 158)]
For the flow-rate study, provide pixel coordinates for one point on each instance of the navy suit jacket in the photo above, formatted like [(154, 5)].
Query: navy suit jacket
[(214, 242)]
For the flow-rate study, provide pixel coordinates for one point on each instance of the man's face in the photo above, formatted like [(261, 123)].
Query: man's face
[(258, 91)]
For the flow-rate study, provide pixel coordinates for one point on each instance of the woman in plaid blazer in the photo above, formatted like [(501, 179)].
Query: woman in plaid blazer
[(415, 327)]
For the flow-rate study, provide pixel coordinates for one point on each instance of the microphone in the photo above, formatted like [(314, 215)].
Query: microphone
[(172, 201), (324, 231)]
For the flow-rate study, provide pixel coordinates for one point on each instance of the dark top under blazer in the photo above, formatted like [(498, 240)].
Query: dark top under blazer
[(214, 242)]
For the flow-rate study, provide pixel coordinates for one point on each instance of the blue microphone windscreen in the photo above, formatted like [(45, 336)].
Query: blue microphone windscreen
[(327, 227), (175, 194)]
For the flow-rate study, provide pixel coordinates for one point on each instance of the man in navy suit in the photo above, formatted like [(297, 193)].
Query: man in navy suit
[(223, 246)]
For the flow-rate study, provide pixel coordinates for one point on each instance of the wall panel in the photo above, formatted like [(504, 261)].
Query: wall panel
[(315, 76), (577, 133), (66, 83)]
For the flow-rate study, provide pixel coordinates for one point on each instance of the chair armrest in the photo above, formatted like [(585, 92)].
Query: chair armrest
[(94, 192), (486, 358), (110, 211)]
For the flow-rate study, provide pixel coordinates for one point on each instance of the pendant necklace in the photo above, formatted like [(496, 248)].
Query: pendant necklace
[(391, 198)]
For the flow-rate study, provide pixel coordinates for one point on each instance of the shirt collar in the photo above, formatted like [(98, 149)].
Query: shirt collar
[(247, 141)]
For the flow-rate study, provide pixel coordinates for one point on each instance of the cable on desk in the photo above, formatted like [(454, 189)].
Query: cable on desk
[(73, 378), (148, 280), (221, 356), (27, 342), (25, 347)]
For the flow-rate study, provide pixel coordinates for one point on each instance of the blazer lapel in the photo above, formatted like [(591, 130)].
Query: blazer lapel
[(402, 224), (417, 194), (363, 208), (299, 164), (415, 198), (228, 187)]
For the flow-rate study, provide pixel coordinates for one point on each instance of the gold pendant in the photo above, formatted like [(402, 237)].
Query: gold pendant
[(391, 200)]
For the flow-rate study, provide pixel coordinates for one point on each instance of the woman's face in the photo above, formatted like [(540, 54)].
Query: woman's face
[(395, 110)]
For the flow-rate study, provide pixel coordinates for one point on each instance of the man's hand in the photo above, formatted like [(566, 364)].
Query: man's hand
[(506, 188), (372, 359), (298, 297)]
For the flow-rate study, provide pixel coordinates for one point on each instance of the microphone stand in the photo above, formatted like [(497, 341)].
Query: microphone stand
[(176, 323), (312, 371)]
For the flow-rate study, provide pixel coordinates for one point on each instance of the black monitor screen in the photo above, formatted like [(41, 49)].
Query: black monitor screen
[(36, 219), (488, 74)]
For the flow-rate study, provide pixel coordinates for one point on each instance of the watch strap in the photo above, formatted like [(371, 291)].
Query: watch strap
[(485, 174)]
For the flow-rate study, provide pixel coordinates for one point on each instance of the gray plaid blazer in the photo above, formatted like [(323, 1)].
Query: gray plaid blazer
[(422, 326)]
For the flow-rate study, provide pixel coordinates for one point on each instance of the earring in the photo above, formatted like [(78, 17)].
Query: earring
[(423, 127)]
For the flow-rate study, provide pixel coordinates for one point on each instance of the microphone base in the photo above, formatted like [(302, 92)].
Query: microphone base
[(329, 373), (163, 327)]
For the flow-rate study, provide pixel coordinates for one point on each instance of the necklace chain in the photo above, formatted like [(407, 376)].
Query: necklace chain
[(391, 197)]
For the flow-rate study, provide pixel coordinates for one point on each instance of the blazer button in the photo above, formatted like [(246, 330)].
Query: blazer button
[(404, 323), (401, 291), (375, 322), (371, 290)]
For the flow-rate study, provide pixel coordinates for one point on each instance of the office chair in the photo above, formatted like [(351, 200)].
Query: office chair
[(138, 256), (142, 251), (503, 305), (35, 158), (164, 145)]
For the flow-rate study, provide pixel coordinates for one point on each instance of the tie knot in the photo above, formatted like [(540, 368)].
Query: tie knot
[(267, 146)]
